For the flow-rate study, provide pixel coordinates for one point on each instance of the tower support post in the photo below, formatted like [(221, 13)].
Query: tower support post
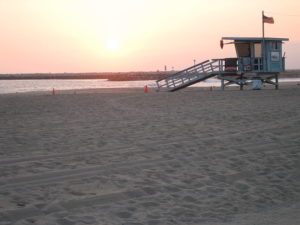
[(222, 84), (241, 84)]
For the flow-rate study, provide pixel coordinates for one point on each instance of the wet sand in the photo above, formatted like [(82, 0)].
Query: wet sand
[(121, 156)]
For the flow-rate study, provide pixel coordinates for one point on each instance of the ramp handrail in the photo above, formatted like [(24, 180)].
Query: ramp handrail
[(177, 73), (191, 75)]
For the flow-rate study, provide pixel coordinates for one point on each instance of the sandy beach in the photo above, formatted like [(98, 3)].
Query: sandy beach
[(121, 156)]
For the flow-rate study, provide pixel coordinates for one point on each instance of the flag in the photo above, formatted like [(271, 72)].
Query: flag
[(268, 19)]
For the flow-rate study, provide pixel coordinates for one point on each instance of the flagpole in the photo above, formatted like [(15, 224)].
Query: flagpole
[(263, 25), (263, 37)]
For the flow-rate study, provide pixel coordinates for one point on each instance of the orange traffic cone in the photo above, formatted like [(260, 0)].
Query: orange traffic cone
[(146, 90)]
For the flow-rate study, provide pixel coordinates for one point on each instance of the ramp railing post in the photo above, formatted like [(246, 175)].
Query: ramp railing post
[(211, 66)]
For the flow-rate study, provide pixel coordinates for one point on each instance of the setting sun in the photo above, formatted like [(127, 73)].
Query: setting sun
[(113, 44)]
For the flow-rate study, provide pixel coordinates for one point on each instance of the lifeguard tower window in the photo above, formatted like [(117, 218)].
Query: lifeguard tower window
[(275, 45), (257, 50), (243, 49)]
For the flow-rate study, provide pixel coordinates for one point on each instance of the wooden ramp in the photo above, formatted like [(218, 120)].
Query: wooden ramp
[(189, 76)]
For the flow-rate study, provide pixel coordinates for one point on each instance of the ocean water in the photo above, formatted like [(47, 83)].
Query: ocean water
[(19, 86)]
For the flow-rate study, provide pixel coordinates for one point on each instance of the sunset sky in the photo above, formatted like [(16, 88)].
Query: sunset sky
[(134, 35)]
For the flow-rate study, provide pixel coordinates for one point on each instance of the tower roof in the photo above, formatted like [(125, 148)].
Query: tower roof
[(254, 39)]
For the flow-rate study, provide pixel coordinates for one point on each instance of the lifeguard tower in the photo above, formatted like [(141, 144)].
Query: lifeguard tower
[(258, 60)]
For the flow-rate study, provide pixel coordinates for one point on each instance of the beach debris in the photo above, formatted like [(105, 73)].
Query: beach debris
[(257, 84), (21, 204)]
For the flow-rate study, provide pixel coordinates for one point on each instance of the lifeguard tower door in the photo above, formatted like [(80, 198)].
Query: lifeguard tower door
[(274, 54)]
